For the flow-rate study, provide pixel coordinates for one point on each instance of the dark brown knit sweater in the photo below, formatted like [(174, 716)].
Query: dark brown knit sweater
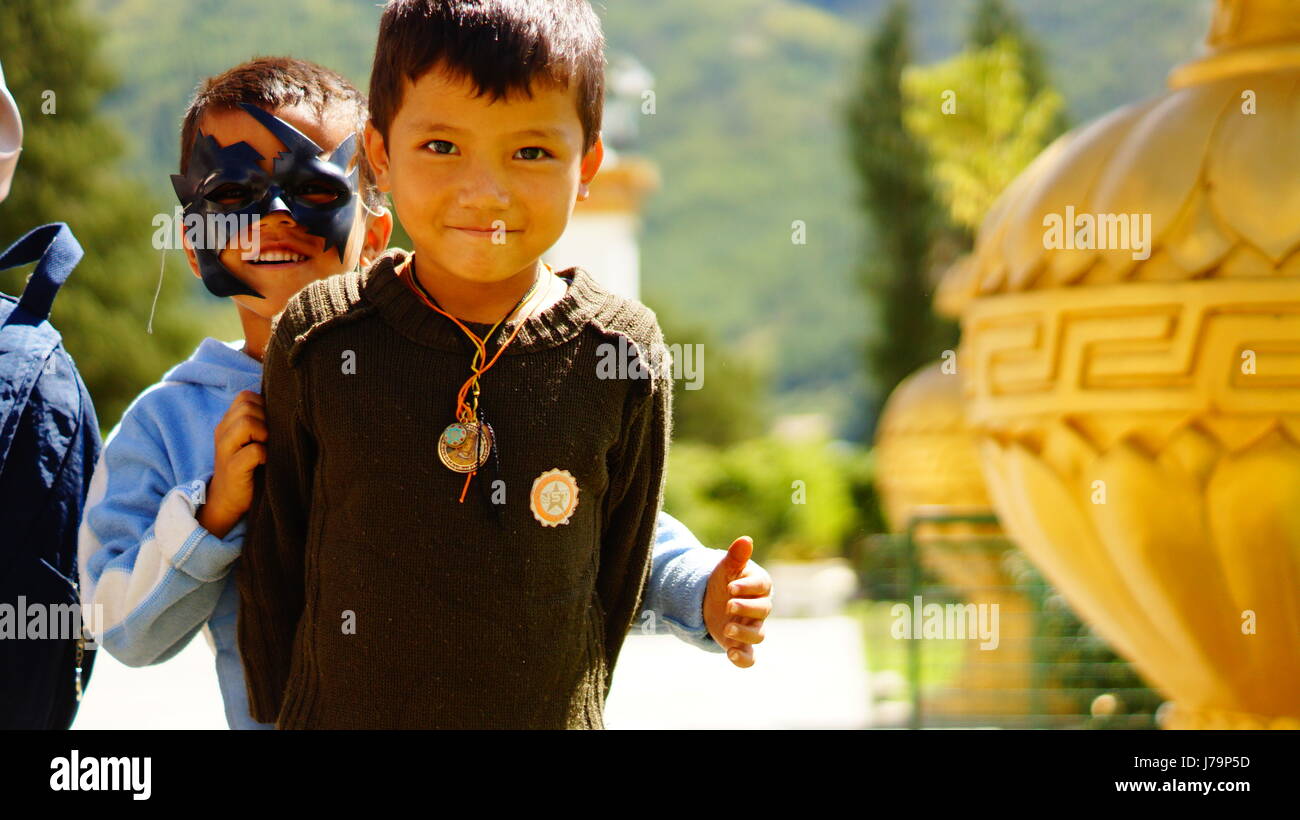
[(372, 598)]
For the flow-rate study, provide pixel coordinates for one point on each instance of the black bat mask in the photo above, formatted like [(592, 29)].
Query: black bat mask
[(317, 193)]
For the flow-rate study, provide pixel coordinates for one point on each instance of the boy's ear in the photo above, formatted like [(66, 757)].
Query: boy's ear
[(379, 229), (189, 255), (590, 165), (377, 155)]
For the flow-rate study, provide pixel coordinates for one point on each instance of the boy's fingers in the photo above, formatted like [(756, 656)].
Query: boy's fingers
[(738, 554), (751, 586), (256, 428), (238, 438), (249, 456), (247, 430), (245, 401), (743, 633), (252, 411), (244, 409), (742, 656), (234, 417), (758, 608)]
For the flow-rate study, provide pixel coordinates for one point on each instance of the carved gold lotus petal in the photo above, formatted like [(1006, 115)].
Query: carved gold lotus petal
[(1196, 242), (1047, 521), (1193, 452), (1237, 433), (1154, 530), (1253, 515), (1252, 172), (1062, 178), (1158, 165)]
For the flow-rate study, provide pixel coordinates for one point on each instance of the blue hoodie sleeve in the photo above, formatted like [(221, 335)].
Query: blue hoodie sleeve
[(679, 574), (150, 575)]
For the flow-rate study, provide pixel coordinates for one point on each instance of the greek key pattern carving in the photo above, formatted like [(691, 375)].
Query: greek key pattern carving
[(1186, 347)]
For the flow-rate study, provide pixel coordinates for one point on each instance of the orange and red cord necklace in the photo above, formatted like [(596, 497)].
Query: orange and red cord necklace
[(466, 444)]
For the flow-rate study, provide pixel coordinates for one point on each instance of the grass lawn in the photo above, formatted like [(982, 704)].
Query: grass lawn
[(940, 659)]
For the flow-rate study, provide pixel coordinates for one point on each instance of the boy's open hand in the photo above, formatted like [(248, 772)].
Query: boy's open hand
[(737, 601), (240, 441)]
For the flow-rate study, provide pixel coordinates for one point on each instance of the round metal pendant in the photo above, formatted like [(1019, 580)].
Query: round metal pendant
[(465, 447)]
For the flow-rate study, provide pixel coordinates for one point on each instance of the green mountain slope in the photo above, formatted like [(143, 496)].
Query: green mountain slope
[(746, 132), (1103, 53)]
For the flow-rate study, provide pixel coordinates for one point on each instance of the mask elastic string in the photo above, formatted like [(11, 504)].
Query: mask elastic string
[(161, 267)]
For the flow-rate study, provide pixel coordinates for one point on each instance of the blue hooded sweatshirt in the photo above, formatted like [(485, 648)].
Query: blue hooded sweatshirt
[(161, 577)]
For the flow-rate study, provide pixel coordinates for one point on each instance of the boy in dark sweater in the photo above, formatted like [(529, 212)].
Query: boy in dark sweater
[(455, 525)]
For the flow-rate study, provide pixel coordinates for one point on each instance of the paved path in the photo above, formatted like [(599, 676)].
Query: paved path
[(179, 694), (810, 674)]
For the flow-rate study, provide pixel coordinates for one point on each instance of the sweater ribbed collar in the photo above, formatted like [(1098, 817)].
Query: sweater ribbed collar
[(412, 318)]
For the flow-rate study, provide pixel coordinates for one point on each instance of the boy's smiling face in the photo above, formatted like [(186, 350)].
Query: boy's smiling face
[(483, 188), (291, 258)]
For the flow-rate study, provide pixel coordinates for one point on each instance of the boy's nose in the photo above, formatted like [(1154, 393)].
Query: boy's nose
[(483, 190), (278, 215)]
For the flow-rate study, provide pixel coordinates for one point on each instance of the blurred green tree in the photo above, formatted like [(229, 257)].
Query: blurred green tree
[(980, 122), (719, 395), (934, 146), (1003, 112), (905, 220), (796, 498), (69, 172), (993, 21)]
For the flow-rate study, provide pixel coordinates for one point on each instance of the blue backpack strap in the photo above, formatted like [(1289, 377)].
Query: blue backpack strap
[(56, 252)]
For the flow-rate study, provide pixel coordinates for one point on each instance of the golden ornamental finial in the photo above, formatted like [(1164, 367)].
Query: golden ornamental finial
[(1238, 23), (1245, 37)]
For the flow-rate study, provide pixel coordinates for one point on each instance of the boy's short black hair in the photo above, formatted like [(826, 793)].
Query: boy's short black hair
[(502, 46), (272, 83)]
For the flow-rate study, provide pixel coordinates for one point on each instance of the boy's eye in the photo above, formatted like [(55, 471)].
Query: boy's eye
[(230, 194), (542, 152), (318, 193), (433, 145)]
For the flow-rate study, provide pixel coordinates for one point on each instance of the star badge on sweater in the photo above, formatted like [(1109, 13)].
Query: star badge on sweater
[(554, 497)]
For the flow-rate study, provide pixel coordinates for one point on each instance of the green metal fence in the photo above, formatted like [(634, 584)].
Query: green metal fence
[(1044, 668)]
